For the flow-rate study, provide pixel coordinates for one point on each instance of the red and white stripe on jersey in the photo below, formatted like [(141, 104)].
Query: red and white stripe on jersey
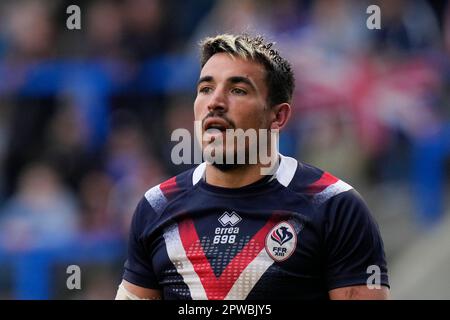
[(237, 279), (327, 187), (158, 195)]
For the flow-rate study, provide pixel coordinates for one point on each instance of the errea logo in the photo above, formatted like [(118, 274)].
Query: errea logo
[(228, 232), (229, 219)]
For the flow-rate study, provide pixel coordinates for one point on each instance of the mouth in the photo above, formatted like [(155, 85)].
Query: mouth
[(216, 124)]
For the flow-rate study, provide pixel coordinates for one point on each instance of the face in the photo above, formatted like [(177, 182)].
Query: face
[(231, 94)]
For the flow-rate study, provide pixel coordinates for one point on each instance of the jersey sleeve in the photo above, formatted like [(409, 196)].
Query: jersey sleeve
[(138, 266), (354, 249)]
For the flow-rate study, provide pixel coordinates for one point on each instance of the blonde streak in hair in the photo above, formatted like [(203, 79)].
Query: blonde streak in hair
[(245, 51)]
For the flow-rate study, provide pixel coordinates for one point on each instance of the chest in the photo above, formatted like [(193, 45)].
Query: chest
[(228, 252)]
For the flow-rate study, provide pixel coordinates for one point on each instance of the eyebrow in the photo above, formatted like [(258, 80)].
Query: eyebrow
[(205, 79), (233, 79), (240, 79)]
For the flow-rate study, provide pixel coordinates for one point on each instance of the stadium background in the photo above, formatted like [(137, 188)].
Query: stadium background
[(86, 117)]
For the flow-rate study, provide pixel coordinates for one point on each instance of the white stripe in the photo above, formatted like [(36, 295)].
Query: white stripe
[(178, 256), (286, 170), (198, 173), (250, 276), (156, 198), (331, 191)]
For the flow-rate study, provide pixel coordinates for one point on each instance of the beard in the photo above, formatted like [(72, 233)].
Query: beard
[(232, 159), (227, 167), (240, 155)]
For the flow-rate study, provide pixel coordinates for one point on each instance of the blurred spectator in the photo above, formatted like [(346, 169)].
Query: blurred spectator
[(232, 17), (66, 146), (43, 213), (95, 190), (30, 30), (406, 26), (338, 26), (144, 35), (28, 124), (133, 171), (104, 28), (329, 137)]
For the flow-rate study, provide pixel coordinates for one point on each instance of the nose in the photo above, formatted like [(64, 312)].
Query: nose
[(217, 102)]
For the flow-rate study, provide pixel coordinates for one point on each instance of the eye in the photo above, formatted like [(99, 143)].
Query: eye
[(205, 90), (239, 91)]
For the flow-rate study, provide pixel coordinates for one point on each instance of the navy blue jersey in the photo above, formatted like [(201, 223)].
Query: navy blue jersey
[(294, 235)]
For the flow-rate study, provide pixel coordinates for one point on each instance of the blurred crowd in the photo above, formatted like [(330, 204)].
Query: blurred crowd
[(86, 115)]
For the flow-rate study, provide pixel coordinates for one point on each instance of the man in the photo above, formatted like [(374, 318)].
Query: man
[(227, 231)]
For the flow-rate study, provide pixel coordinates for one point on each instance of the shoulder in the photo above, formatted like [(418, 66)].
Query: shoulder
[(317, 185), (332, 199), (159, 196)]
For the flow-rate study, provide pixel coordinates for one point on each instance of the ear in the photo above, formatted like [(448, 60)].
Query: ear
[(281, 115)]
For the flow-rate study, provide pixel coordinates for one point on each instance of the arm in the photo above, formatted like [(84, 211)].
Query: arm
[(359, 293), (129, 291), (139, 275), (353, 247)]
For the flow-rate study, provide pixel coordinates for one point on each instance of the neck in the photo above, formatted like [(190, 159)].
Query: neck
[(240, 176)]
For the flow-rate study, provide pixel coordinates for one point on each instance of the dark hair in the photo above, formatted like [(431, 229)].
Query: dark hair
[(279, 76)]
